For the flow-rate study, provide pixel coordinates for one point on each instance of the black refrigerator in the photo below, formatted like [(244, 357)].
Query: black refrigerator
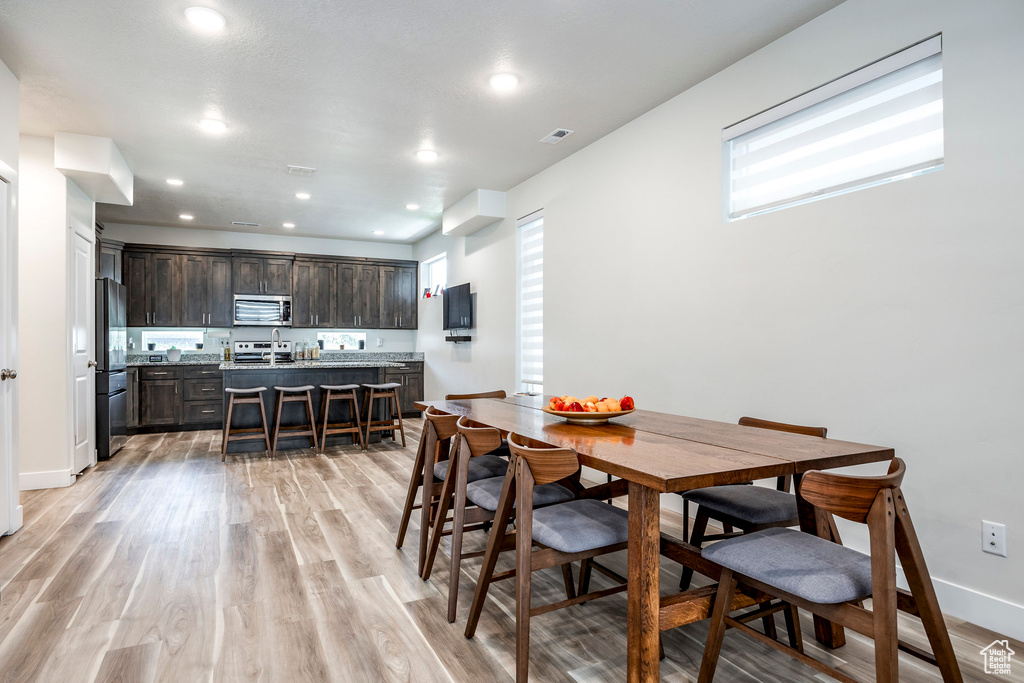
[(111, 368)]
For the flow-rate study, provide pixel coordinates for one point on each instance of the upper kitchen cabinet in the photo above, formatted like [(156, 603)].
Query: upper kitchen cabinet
[(358, 295), (109, 262), (314, 293), (206, 293), (153, 282), (253, 274), (398, 302)]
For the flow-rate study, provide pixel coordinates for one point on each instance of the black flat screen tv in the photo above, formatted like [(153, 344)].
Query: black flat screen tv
[(458, 308)]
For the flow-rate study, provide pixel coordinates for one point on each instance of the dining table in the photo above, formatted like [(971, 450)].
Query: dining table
[(652, 453)]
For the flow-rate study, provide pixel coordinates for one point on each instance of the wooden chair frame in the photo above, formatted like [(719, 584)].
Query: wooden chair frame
[(245, 434), (353, 426), (306, 399), (394, 424), (879, 503)]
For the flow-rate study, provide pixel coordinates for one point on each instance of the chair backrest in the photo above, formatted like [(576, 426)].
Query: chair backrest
[(546, 463), (484, 394), (480, 439), (443, 424), (848, 496), (782, 427)]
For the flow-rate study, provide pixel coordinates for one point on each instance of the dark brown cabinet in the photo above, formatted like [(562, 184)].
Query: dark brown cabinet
[(262, 275), (359, 295), (111, 254), (159, 402), (410, 377), (153, 281), (314, 294), (133, 397), (179, 396), (398, 300), (206, 290)]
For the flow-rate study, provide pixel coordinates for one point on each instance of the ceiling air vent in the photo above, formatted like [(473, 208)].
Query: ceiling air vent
[(555, 136), (301, 171), (245, 225)]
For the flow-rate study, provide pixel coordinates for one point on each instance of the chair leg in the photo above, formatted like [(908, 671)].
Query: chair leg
[(266, 426), (792, 615), (570, 587), (359, 425), (398, 413), (325, 409), (227, 429), (410, 496), (311, 416), (768, 623), (585, 569), (277, 422), (458, 522), (495, 542), (441, 516), (524, 575), (686, 521), (700, 526), (368, 400), (716, 629)]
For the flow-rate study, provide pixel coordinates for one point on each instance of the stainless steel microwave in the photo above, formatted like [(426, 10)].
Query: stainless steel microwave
[(263, 309)]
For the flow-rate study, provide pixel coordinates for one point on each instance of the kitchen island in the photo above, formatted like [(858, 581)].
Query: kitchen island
[(408, 374)]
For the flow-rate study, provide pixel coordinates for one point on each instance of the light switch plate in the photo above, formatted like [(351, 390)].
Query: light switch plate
[(993, 538), (380, 341)]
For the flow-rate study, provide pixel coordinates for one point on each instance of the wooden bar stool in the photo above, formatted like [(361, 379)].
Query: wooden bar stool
[(388, 392), (340, 392), (294, 395), (240, 397)]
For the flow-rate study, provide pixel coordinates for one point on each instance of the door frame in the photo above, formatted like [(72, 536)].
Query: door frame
[(9, 466), (88, 233)]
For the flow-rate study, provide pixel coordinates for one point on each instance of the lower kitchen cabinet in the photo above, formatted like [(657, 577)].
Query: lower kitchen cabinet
[(179, 396), (133, 398), (410, 377), (159, 402)]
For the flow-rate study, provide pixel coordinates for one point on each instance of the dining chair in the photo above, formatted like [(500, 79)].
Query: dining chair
[(748, 508), (831, 580), (580, 529), (476, 441)]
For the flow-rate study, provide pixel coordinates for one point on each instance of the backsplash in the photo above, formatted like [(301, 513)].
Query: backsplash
[(213, 341)]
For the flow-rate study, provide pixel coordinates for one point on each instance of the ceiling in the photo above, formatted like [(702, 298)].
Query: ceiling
[(354, 89)]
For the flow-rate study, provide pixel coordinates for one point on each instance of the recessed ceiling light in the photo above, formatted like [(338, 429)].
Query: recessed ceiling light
[(413, 207), (378, 232), (289, 225), (213, 125), (504, 82), (186, 216), (205, 19), (175, 182), (426, 155), (302, 195)]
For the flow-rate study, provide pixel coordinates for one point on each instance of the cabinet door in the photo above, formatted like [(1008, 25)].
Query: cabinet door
[(277, 276), (368, 296), (137, 284), (405, 294), (325, 294), (220, 310), (165, 288), (247, 274), (159, 402), (413, 392), (133, 397), (110, 262), (348, 298), (389, 304), (302, 294), (195, 289)]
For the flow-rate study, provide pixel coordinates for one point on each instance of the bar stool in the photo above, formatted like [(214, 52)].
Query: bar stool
[(241, 397), (384, 391), (294, 395), (340, 392)]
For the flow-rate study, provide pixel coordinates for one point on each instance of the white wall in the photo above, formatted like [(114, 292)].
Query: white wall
[(892, 315), (9, 98), (42, 321)]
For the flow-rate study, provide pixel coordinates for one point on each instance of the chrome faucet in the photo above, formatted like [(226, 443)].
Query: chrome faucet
[(273, 347)]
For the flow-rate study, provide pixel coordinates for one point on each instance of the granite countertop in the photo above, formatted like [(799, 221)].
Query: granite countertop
[(310, 364)]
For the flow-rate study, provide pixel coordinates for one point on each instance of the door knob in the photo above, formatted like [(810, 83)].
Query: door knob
[(8, 374), (91, 364)]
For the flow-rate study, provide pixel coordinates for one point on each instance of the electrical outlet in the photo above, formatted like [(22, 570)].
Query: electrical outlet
[(993, 538), (380, 341)]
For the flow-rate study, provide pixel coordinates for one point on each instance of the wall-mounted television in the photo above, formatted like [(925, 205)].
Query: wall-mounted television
[(458, 308)]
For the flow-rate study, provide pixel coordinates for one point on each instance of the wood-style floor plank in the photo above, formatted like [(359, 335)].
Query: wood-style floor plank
[(163, 564)]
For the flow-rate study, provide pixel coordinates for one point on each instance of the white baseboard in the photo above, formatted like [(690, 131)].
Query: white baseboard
[(1003, 617), (56, 479)]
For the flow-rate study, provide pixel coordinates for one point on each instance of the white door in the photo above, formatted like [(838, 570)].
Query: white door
[(83, 393), (10, 510)]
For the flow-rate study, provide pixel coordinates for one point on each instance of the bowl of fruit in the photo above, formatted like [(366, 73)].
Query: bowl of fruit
[(589, 410)]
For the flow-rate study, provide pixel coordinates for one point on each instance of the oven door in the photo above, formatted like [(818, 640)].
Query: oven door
[(271, 311)]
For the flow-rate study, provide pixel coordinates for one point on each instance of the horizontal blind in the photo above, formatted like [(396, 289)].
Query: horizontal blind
[(530, 239), (886, 129)]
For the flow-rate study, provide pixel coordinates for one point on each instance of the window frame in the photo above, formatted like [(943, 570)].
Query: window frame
[(147, 333), (426, 277)]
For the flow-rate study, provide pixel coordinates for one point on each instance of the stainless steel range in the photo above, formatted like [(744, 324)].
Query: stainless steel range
[(259, 352)]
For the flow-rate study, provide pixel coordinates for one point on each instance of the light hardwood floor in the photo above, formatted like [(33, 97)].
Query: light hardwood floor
[(165, 565)]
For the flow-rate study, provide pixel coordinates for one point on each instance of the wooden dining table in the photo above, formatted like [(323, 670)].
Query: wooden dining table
[(655, 453)]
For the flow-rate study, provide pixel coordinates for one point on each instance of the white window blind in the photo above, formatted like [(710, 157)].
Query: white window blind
[(530, 258), (878, 124)]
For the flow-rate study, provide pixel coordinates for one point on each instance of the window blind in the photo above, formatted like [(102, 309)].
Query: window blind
[(855, 134), (530, 258)]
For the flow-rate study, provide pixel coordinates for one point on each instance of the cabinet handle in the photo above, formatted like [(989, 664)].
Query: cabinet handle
[(310, 319), (207, 389), (175, 387), (208, 372), (208, 411), (318, 320), (158, 373), (147, 318)]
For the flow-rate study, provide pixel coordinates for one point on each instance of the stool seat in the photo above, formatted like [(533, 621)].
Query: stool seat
[(248, 390), (339, 387), (305, 387), (383, 387)]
